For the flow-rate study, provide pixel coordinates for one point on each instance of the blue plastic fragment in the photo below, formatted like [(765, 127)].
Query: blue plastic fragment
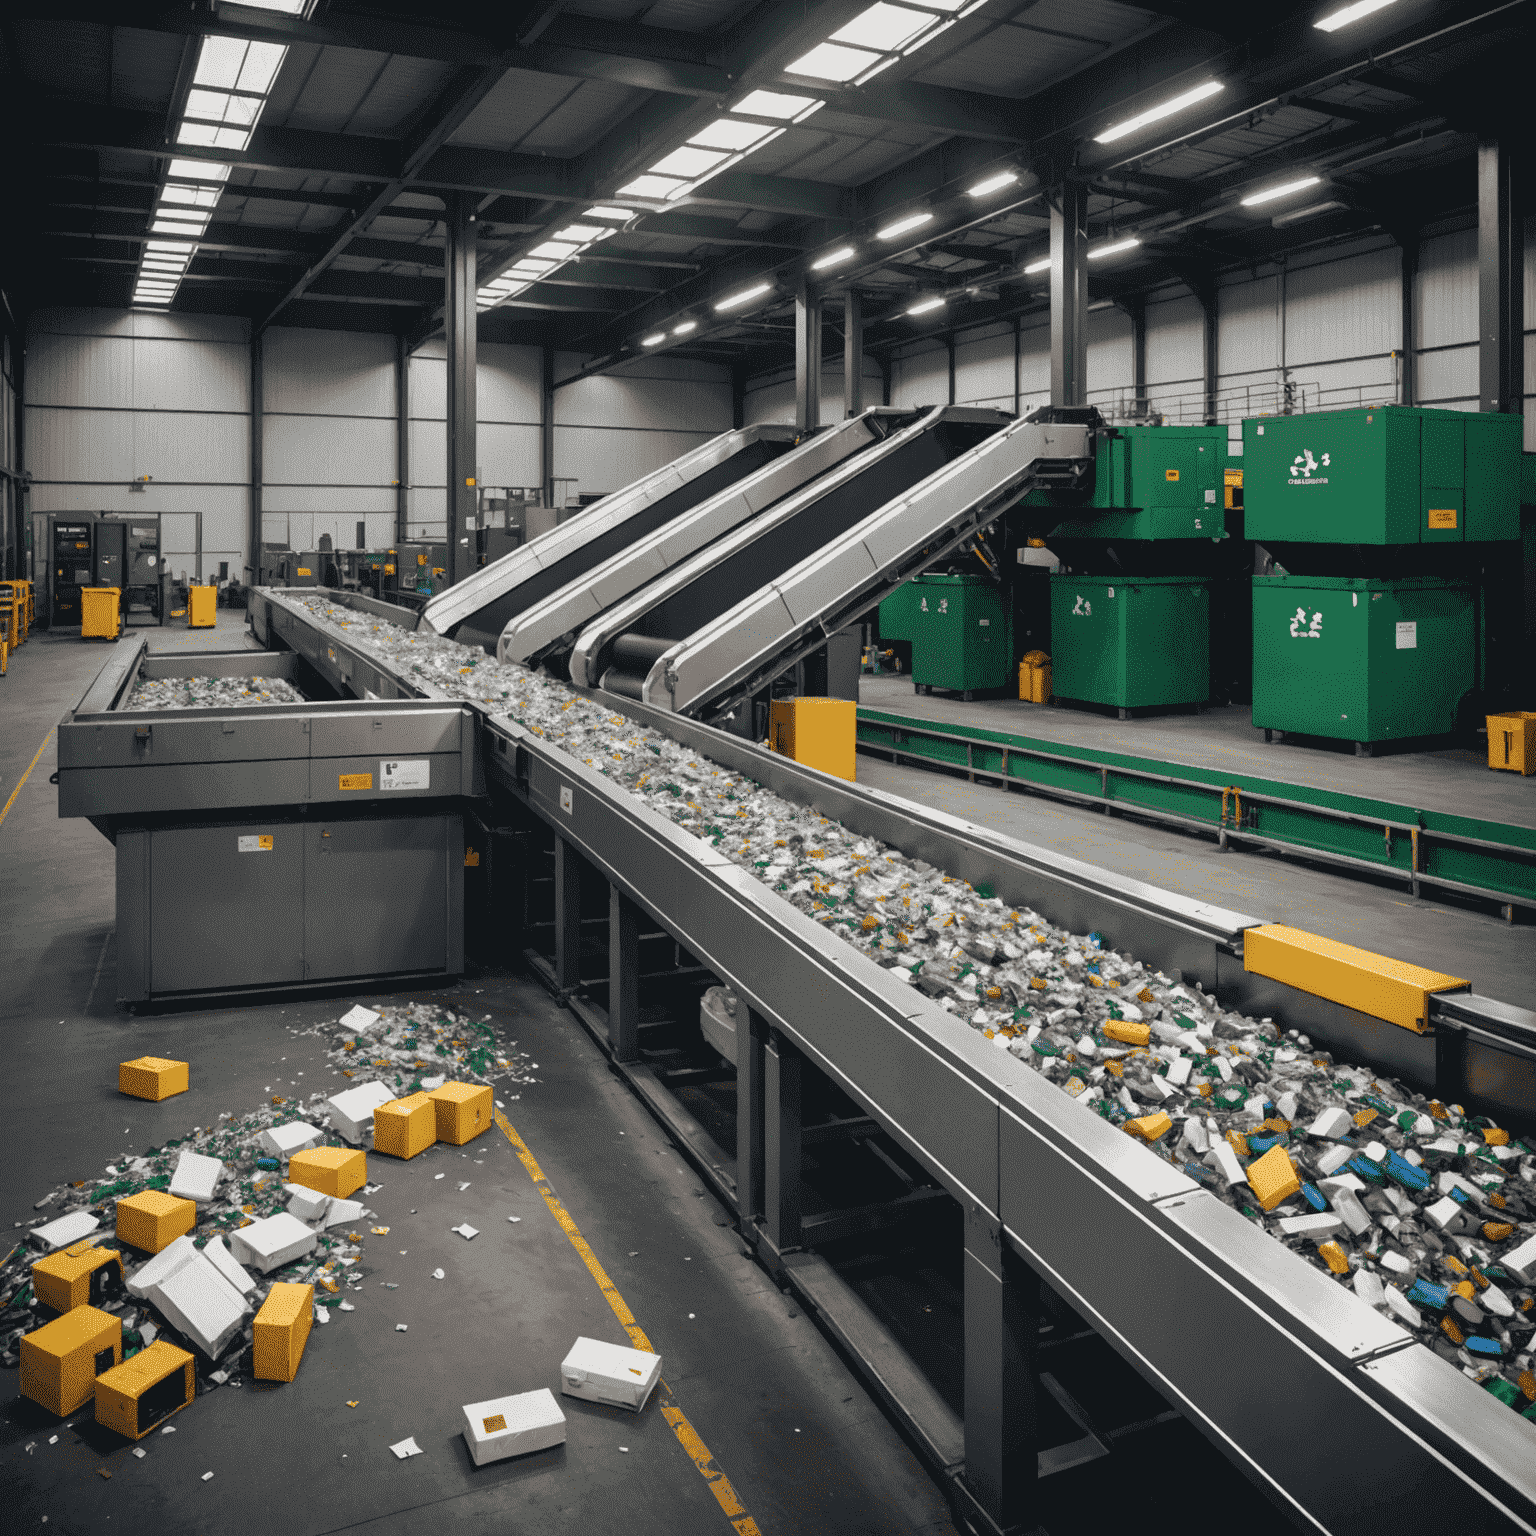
[(1477, 1345), (1425, 1293), (1261, 1144), (266, 1162), (1368, 1169), (1313, 1195), (1404, 1172), (1460, 1196)]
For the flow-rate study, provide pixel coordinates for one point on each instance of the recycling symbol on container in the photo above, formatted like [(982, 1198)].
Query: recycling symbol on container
[(943, 605), (1082, 607), (1301, 630), (1304, 465)]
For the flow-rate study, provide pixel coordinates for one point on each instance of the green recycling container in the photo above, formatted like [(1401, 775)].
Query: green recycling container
[(1362, 659), (1131, 642), (899, 612), (960, 633)]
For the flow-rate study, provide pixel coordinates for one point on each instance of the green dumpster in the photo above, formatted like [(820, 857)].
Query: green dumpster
[(960, 632)]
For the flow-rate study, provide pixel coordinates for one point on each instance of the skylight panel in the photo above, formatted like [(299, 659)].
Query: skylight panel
[(652, 186), (558, 249), (582, 233), (832, 61), (620, 215), (688, 162), (778, 104), (729, 133), (198, 170), (882, 27)]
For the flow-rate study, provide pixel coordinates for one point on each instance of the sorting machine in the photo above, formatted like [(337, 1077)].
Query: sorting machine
[(1276, 1364)]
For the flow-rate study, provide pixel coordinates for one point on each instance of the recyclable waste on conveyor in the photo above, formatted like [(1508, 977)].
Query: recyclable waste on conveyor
[(1427, 1212), (212, 693)]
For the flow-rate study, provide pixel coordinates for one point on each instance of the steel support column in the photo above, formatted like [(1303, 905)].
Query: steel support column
[(1136, 309), (1205, 296), (1069, 295), (738, 396), (1018, 365), (258, 408), (807, 360), (459, 326), (623, 976), (1500, 278), (783, 1069), (547, 424), (751, 1067), (1408, 378), (1002, 1326), (853, 354), (567, 918), (949, 347), (402, 440)]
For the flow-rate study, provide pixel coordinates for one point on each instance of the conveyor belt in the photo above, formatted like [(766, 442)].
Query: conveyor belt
[(543, 631), (677, 604), (478, 608), (1328, 1406)]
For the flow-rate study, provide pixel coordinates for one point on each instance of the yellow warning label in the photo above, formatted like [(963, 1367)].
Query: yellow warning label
[(496, 1422), (389, 570), (1442, 517), (471, 858), (304, 570), (1170, 474), (355, 781), (248, 843), (1232, 477)]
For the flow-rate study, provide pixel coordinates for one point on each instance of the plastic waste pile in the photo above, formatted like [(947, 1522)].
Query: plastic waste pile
[(211, 693), (1427, 1212)]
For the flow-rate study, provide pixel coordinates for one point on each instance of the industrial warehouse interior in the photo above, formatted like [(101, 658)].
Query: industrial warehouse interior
[(768, 767)]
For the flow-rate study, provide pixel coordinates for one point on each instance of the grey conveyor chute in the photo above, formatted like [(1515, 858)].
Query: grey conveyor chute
[(619, 650), (543, 631), (742, 650), (477, 609)]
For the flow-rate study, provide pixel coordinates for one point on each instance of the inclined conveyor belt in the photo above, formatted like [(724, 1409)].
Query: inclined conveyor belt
[(728, 571), (1330, 1407), (477, 609)]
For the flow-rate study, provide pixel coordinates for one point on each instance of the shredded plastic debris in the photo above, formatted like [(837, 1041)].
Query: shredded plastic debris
[(212, 693), (1422, 1196)]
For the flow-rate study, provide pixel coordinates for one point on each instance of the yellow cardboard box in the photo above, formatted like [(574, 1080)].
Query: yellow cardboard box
[(463, 1111), (152, 1220), (77, 1276), (281, 1330), (141, 1393), (404, 1127), (153, 1078), (61, 1360), (332, 1170)]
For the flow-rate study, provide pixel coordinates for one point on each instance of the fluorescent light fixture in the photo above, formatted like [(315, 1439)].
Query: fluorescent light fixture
[(283, 7), (582, 233), (736, 300), (779, 104), (685, 327), (1114, 248), (832, 61), (729, 134), (882, 27), (198, 170), (167, 248), (654, 341), (658, 188), (994, 183), (193, 197), (532, 266), (619, 215), (1269, 194), (1156, 114), (1043, 265), (924, 305), (832, 258), (688, 162), (172, 227), (558, 249), (902, 225), (1350, 13)]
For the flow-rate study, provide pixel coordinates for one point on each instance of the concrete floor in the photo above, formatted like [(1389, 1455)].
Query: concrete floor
[(1453, 779), (802, 1444)]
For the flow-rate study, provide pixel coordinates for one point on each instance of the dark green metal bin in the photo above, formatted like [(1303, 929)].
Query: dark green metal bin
[(960, 632)]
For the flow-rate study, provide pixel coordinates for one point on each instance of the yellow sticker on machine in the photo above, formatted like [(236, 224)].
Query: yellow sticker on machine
[(1170, 474), (1442, 517), (257, 844), (1232, 477), (304, 570), (354, 781)]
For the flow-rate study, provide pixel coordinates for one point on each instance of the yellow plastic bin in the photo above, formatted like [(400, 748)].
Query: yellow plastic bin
[(817, 732), (1035, 678), (202, 607), (1512, 741), (99, 613)]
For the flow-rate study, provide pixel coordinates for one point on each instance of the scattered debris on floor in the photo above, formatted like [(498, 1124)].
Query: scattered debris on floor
[(1427, 1212)]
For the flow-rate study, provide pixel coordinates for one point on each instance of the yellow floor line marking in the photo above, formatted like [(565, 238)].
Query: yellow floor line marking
[(687, 1436), (27, 775)]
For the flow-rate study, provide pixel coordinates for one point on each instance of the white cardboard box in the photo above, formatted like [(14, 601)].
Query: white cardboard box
[(272, 1242), (285, 1140), (305, 1203), (609, 1373), (200, 1304), (150, 1273), (196, 1177), (63, 1230), (224, 1261), (352, 1111), (513, 1426)]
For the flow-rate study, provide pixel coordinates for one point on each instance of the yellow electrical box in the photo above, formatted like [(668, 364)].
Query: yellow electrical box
[(152, 1220), (1354, 978), (1035, 678), (78, 1276), (463, 1111), (140, 1394), (98, 613), (404, 1127), (281, 1330), (334, 1171), (1512, 741), (61, 1360), (820, 733), (153, 1078), (202, 607)]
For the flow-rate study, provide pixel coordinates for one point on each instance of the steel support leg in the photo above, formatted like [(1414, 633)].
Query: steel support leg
[(1002, 1325), (567, 918), (1500, 280), (751, 1069), (853, 354), (623, 976), (1069, 295), (807, 360), (783, 1067)]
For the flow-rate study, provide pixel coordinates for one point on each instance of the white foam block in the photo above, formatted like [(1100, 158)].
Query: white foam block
[(272, 1242), (201, 1305), (224, 1261), (305, 1203), (153, 1271), (1332, 1160), (358, 1017), (339, 1211), (1324, 1224), (609, 1373), (513, 1426), (285, 1140), (1333, 1124), (196, 1177), (1522, 1261), (352, 1111), (63, 1230)]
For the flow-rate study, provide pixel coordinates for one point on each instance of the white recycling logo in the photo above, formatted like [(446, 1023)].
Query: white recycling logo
[(1082, 607), (1304, 467), (1301, 630)]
